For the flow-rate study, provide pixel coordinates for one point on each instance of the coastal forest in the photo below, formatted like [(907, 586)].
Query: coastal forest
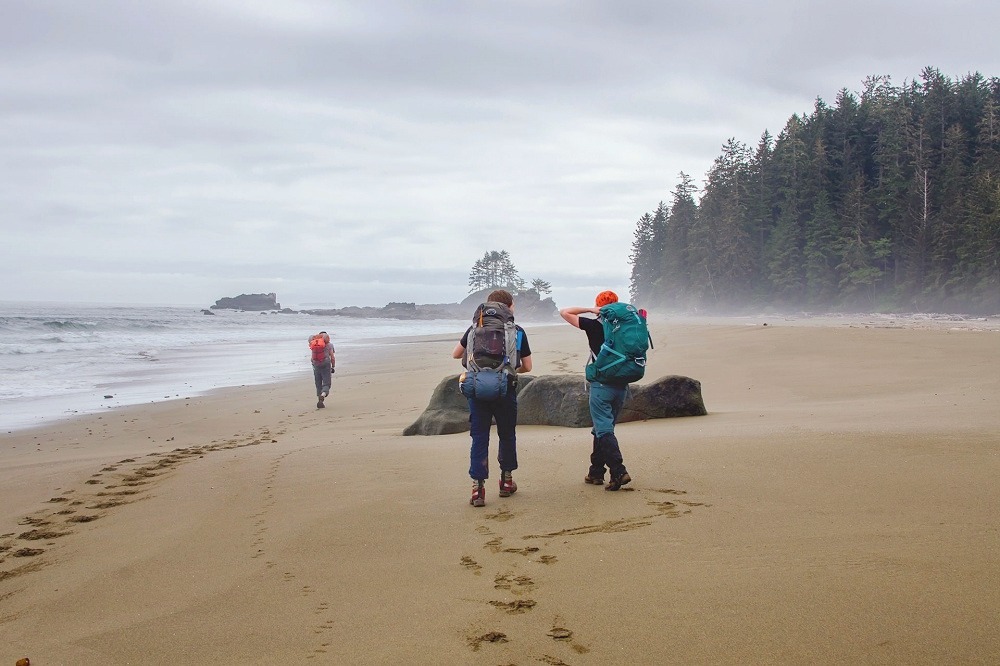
[(887, 200)]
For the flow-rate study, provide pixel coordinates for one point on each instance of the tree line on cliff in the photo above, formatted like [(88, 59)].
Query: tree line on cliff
[(888, 199)]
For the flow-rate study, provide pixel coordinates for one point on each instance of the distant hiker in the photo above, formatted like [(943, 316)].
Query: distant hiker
[(323, 363), (618, 341), (493, 350)]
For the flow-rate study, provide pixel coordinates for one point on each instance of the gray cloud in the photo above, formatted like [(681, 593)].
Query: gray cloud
[(360, 152)]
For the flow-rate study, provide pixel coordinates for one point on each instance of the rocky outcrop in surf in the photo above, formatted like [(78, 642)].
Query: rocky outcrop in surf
[(252, 302), (528, 306)]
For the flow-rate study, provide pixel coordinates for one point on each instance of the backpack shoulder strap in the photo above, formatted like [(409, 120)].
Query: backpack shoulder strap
[(512, 344)]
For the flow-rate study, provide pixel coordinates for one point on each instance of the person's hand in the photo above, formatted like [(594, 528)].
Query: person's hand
[(332, 370)]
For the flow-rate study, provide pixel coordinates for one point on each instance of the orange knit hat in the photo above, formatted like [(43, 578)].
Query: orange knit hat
[(605, 297)]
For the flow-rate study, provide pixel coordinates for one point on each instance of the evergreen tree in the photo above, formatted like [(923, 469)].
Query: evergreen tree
[(984, 245), (987, 148), (657, 247), (819, 258), (783, 252), (858, 271), (676, 272), (889, 198), (541, 286), (888, 115), (495, 271), (722, 266), (947, 272), (642, 259), (761, 209)]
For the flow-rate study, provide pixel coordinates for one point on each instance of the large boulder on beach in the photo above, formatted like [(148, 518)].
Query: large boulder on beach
[(557, 400), (446, 413), (667, 397), (448, 410), (562, 400)]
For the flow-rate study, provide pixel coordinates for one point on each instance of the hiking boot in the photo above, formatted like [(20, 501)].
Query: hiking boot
[(618, 481), (596, 480), (319, 404), (507, 485), (478, 494)]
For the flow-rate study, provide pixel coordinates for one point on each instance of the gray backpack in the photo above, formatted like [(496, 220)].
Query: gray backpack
[(491, 353)]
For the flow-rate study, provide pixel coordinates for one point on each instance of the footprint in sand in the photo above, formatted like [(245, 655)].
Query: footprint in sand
[(517, 585), (495, 545), (24, 568), (476, 642), (502, 515), (471, 564), (522, 551), (34, 522), (564, 635), (560, 634), (521, 585), (108, 504), (141, 475), (515, 607), (82, 519), (40, 535)]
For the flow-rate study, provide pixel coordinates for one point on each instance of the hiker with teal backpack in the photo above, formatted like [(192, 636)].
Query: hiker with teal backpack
[(618, 340), (493, 351)]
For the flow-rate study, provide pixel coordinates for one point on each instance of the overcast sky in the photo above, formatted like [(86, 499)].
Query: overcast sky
[(365, 151)]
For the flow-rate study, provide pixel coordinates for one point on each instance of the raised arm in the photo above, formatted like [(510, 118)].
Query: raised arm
[(572, 315)]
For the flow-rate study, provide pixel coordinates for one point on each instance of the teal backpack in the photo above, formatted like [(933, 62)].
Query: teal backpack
[(622, 358)]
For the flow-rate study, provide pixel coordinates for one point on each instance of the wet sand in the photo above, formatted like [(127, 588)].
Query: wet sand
[(837, 505)]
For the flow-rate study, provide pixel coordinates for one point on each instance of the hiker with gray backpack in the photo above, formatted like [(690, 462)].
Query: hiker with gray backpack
[(618, 340), (493, 351)]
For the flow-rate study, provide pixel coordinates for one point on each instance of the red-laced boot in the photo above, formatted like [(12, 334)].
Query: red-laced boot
[(478, 493), (507, 485)]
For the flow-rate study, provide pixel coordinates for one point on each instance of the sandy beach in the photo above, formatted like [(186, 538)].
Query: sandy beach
[(838, 504)]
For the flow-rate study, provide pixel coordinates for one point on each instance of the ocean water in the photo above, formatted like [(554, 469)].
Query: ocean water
[(57, 361)]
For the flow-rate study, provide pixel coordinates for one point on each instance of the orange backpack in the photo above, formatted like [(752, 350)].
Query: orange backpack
[(318, 346)]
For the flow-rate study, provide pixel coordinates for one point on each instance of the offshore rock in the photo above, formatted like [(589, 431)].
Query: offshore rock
[(248, 302), (562, 400), (529, 306)]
